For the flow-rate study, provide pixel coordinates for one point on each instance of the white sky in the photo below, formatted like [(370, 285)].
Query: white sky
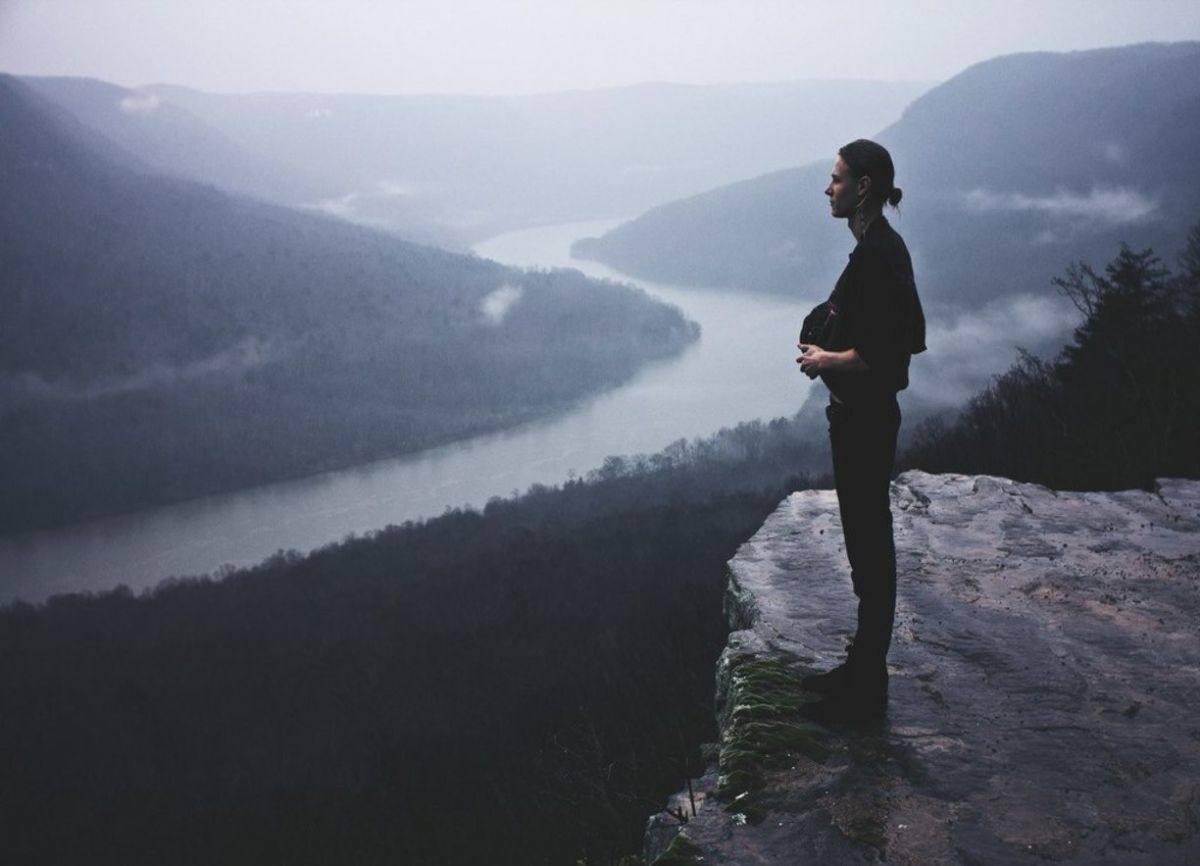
[(520, 46)]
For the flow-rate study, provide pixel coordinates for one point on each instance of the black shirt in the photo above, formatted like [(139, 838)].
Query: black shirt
[(874, 309)]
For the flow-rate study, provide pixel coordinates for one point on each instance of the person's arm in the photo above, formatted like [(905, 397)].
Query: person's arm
[(814, 360)]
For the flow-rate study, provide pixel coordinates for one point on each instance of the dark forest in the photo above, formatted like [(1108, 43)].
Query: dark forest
[(521, 685)]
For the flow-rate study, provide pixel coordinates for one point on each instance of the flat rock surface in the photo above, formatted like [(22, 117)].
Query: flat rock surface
[(1045, 680)]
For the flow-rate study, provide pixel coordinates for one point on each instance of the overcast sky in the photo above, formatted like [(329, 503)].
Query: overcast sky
[(521, 46)]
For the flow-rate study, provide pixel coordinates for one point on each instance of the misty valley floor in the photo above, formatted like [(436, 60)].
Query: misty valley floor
[(1044, 701)]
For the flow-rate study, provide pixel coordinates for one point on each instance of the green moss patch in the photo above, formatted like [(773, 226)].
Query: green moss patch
[(681, 852), (763, 728)]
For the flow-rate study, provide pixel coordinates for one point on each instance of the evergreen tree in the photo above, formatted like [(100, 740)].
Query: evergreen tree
[(1120, 405)]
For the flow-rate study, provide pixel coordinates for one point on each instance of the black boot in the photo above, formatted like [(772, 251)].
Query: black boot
[(861, 697), (833, 681)]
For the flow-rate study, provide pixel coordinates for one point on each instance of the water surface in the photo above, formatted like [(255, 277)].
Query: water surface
[(741, 368)]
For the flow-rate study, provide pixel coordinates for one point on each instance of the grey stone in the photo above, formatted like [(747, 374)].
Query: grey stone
[(1045, 680)]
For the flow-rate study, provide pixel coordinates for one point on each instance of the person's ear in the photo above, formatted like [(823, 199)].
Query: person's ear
[(864, 186)]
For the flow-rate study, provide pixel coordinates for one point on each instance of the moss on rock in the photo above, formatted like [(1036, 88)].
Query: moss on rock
[(763, 728)]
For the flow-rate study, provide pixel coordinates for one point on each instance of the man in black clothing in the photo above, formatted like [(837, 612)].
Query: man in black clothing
[(860, 342)]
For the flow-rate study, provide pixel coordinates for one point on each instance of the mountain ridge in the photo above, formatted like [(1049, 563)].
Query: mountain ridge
[(479, 165), (1033, 207), (174, 141)]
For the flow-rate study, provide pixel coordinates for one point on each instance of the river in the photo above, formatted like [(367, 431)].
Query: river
[(741, 368)]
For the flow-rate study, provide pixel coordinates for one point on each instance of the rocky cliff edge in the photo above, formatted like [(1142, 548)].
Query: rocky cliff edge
[(1045, 687)]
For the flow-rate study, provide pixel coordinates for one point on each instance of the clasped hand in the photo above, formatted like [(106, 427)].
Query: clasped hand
[(811, 359)]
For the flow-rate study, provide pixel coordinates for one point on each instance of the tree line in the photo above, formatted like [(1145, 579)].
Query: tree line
[(1117, 408)]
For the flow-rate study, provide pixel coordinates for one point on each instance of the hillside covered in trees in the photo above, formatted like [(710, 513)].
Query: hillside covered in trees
[(1118, 407), (518, 685), (164, 340)]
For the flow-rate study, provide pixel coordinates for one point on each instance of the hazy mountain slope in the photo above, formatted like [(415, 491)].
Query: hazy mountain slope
[(1010, 169), (163, 340), (758, 233), (174, 141), (478, 165)]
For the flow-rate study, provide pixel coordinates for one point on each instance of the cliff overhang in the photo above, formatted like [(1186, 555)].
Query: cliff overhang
[(1044, 672)]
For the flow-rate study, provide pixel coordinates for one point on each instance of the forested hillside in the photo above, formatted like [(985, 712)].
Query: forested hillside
[(1118, 408), (174, 141), (1009, 169), (520, 685), (164, 340)]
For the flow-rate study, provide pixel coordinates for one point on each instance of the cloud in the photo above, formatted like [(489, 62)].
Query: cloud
[(248, 354), (496, 304), (139, 103), (968, 350), (350, 207), (342, 206), (1115, 206)]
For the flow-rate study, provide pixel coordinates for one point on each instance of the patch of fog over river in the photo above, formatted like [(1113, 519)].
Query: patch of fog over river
[(742, 368)]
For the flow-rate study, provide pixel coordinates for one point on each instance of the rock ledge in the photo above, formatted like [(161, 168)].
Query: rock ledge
[(1045, 688)]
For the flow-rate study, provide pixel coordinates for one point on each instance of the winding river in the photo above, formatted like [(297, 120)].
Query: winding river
[(741, 368)]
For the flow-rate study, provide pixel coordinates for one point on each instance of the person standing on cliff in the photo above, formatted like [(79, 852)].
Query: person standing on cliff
[(860, 342)]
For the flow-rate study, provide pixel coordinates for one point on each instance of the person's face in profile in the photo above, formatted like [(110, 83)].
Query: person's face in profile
[(843, 192)]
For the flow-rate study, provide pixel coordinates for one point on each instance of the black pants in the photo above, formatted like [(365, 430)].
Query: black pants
[(863, 440)]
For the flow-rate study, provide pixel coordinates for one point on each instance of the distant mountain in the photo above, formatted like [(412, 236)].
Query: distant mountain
[(174, 141), (477, 165), (163, 339), (1010, 170)]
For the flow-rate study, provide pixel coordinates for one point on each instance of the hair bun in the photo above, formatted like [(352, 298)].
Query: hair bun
[(894, 196)]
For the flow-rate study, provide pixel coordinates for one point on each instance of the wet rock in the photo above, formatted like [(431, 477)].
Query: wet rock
[(1045, 684)]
